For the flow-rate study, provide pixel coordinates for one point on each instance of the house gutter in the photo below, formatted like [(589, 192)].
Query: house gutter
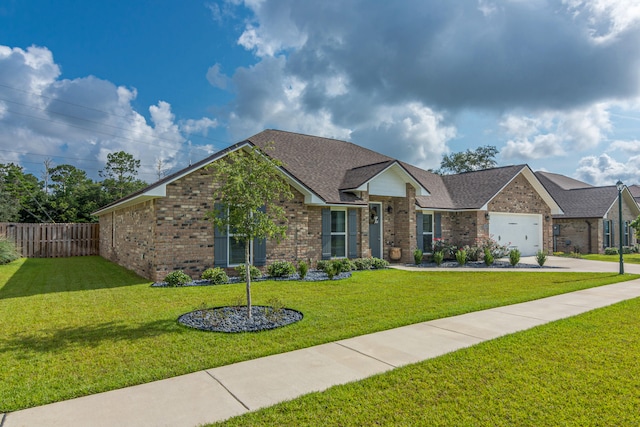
[(588, 234)]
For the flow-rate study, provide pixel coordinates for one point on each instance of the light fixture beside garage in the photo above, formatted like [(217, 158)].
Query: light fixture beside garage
[(486, 216)]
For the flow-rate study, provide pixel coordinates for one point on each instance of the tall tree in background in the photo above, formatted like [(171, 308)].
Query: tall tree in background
[(73, 195), (24, 192), (468, 161), (248, 185), (120, 174)]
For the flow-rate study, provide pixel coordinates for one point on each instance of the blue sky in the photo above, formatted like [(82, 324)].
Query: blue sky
[(555, 84)]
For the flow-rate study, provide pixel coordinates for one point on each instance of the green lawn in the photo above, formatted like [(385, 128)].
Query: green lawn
[(581, 371), (628, 258), (77, 326)]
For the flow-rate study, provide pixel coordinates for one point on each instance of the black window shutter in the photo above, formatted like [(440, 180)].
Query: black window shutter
[(220, 245), (260, 248), (352, 226), (419, 230), (326, 233), (437, 219)]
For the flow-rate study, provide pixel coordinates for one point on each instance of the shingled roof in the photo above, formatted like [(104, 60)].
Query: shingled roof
[(579, 201), (330, 171)]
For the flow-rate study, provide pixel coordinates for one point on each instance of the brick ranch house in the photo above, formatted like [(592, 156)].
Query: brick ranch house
[(349, 202), (590, 221)]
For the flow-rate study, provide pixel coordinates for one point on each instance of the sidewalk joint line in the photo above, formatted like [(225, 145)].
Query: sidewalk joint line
[(364, 354), (460, 333), (228, 391)]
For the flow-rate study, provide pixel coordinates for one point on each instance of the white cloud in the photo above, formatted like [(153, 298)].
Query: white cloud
[(555, 133), (604, 170), (606, 19), (80, 121), (216, 78), (627, 147)]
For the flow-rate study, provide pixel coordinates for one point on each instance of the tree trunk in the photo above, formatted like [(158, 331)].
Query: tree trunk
[(247, 270)]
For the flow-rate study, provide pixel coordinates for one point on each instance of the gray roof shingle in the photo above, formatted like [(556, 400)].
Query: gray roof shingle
[(580, 201)]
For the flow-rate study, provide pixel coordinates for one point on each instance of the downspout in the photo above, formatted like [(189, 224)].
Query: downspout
[(588, 234)]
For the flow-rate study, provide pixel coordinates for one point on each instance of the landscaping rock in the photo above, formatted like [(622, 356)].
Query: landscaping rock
[(235, 319)]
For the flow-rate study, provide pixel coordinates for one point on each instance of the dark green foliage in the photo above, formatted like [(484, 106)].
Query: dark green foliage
[(363, 263), (303, 269), (488, 257), (467, 161), (541, 257), (253, 271), (461, 257), (215, 276), (8, 251), (281, 269), (438, 257), (378, 263), (177, 278), (417, 256), (514, 257)]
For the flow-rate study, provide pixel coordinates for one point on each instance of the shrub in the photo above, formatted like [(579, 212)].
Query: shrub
[(628, 249), (330, 269), (215, 276), (438, 257), (343, 265), (281, 269), (611, 251), (514, 257), (322, 264), (497, 250), (473, 253), (254, 272), (303, 268), (575, 255), (541, 257), (8, 251), (488, 257), (177, 278), (461, 256), (417, 256), (363, 263), (378, 263), (448, 249)]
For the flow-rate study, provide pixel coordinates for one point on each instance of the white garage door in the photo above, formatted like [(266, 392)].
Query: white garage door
[(517, 231)]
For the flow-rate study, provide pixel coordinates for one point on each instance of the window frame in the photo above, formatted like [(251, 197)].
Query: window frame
[(426, 233), (626, 234), (607, 233), (344, 234)]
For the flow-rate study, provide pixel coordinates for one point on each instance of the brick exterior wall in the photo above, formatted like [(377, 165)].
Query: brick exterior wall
[(574, 232), (520, 197), (127, 237), (159, 236), (470, 227)]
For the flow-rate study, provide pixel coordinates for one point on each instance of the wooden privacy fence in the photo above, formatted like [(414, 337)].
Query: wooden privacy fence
[(52, 240)]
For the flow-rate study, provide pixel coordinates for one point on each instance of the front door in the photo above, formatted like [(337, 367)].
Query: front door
[(375, 229)]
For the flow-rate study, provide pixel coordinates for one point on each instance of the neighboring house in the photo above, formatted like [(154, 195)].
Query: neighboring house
[(349, 202), (635, 192), (590, 220)]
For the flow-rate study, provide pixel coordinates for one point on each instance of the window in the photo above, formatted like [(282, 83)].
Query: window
[(338, 234), (236, 249), (427, 232), (607, 233), (229, 252), (626, 239)]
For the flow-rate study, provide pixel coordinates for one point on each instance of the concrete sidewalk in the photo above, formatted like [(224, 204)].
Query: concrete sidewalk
[(220, 393)]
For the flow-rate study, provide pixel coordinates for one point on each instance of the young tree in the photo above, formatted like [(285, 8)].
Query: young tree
[(248, 185), (467, 161)]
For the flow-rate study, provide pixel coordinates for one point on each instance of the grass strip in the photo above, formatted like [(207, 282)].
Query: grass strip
[(581, 371), (78, 326), (628, 258)]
